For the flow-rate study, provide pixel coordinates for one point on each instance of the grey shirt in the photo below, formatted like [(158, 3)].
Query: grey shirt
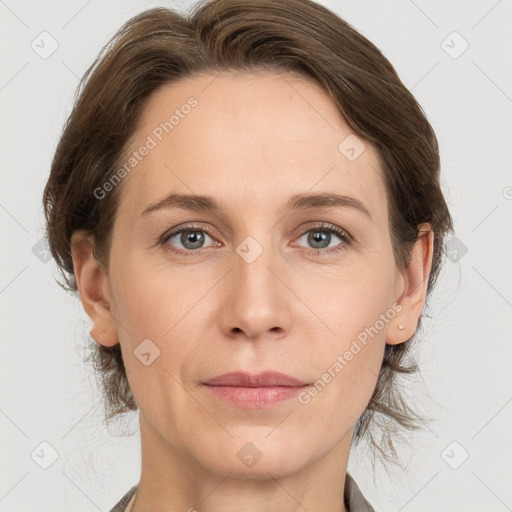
[(354, 499)]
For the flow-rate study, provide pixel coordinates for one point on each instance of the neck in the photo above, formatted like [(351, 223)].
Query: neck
[(172, 479)]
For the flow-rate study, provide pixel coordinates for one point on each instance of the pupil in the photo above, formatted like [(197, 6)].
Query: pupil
[(192, 239), (319, 237)]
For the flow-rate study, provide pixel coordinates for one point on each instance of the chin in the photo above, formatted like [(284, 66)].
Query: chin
[(258, 458)]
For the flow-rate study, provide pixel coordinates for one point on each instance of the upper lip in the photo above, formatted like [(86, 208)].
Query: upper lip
[(250, 380)]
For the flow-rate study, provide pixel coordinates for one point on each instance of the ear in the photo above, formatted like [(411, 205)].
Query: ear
[(415, 281), (94, 289)]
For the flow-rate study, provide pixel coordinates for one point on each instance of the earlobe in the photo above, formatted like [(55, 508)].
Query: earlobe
[(93, 287), (415, 278)]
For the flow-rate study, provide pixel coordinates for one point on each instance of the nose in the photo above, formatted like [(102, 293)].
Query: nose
[(256, 301)]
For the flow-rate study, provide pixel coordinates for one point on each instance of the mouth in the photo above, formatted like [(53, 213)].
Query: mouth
[(255, 391)]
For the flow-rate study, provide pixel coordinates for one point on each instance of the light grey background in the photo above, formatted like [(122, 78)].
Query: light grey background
[(50, 395)]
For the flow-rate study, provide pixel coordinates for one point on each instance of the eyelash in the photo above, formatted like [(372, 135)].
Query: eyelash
[(346, 238)]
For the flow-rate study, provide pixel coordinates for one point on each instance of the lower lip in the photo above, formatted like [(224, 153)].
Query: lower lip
[(255, 398)]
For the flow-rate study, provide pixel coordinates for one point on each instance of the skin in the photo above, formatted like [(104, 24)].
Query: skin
[(252, 142)]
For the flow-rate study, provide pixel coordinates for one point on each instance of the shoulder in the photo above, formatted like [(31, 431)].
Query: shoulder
[(354, 499), (121, 504)]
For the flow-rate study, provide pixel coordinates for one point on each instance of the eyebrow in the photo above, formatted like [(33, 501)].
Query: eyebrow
[(195, 202)]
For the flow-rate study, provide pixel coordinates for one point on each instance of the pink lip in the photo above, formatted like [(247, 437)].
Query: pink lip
[(249, 380), (252, 391)]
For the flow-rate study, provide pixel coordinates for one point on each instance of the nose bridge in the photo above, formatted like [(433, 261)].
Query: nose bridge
[(255, 301)]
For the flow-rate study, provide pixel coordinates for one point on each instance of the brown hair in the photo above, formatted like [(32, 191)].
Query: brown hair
[(160, 46)]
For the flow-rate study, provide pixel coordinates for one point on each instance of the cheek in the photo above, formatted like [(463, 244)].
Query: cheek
[(347, 366), (155, 315), (351, 297), (150, 300), (156, 305), (356, 307)]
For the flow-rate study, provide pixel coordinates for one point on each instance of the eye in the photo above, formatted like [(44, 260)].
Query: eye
[(320, 238), (186, 239)]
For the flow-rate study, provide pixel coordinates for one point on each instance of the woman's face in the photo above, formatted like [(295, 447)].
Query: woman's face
[(269, 280)]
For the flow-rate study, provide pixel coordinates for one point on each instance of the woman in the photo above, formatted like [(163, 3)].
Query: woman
[(247, 201)]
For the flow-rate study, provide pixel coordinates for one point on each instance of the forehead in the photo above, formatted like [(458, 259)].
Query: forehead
[(248, 138)]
